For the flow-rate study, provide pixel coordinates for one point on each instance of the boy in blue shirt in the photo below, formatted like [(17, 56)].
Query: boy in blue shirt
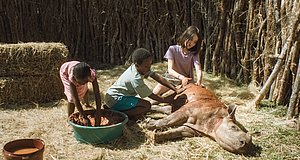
[(121, 96)]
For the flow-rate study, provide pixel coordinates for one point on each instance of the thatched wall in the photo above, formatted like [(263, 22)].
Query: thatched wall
[(29, 72)]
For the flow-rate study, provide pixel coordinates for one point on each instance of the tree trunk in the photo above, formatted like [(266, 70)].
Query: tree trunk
[(207, 34), (284, 51), (216, 53), (258, 52), (295, 91), (285, 79), (269, 47), (247, 42), (273, 86)]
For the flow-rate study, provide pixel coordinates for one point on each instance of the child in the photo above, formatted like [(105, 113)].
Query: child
[(75, 77), (121, 95), (181, 58)]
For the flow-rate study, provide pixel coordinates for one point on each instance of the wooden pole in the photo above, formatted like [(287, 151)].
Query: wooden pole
[(286, 48)]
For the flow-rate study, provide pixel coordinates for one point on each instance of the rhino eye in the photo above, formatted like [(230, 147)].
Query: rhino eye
[(234, 128)]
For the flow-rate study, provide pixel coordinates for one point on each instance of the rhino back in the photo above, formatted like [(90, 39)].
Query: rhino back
[(195, 93)]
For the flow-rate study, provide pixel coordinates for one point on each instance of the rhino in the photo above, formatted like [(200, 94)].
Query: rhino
[(201, 113)]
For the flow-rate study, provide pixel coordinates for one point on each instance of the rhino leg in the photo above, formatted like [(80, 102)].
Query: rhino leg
[(167, 109), (174, 133), (174, 119)]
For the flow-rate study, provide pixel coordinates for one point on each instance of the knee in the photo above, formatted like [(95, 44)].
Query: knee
[(148, 105), (157, 89)]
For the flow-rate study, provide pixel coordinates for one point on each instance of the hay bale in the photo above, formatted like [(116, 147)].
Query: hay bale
[(25, 59), (29, 72), (26, 89)]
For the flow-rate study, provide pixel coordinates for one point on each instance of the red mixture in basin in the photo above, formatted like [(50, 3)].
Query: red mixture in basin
[(108, 118)]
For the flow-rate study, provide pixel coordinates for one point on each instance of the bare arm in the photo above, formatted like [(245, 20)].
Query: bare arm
[(172, 72), (76, 100), (199, 74), (166, 83), (163, 81), (161, 99), (97, 93), (98, 101)]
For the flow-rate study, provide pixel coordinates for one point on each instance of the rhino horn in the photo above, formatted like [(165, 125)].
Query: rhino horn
[(231, 111)]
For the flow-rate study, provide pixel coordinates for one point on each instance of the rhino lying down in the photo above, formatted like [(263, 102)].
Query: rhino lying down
[(203, 114)]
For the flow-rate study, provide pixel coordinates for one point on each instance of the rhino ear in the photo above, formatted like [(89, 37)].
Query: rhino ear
[(231, 110)]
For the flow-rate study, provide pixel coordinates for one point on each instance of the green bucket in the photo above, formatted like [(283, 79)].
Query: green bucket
[(100, 134)]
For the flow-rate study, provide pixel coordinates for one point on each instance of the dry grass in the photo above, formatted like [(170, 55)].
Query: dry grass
[(277, 138)]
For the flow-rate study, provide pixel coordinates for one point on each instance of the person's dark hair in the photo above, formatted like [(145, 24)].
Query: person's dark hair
[(81, 71), (188, 34), (139, 55)]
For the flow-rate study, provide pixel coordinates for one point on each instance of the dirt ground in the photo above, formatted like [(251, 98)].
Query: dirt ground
[(277, 137)]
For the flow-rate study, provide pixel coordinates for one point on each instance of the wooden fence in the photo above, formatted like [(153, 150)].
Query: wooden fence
[(100, 32)]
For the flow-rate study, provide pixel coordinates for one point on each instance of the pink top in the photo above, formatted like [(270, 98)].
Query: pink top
[(66, 75), (183, 63)]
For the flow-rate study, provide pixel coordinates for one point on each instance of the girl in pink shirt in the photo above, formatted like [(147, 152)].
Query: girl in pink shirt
[(182, 58), (75, 76)]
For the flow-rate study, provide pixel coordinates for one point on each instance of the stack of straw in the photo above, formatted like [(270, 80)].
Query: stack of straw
[(29, 72)]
